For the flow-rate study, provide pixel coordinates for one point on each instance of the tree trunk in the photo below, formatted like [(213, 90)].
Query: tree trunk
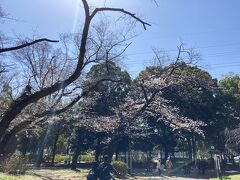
[(112, 147), (54, 148), (116, 155), (194, 151), (68, 147), (42, 146), (75, 157), (189, 148), (9, 139), (77, 151), (40, 155), (97, 150), (8, 148), (166, 152)]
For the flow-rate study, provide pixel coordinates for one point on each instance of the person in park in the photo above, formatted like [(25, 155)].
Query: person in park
[(105, 168), (169, 165)]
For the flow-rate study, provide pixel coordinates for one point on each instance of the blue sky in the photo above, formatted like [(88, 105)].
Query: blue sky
[(210, 26)]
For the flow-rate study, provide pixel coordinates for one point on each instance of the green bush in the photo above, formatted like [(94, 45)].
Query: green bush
[(59, 158), (87, 157), (139, 159), (120, 167), (16, 164)]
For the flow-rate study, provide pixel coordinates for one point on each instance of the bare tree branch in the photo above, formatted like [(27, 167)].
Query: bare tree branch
[(76, 99), (22, 102), (123, 11), (26, 44)]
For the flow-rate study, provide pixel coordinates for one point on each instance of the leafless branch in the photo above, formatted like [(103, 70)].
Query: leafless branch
[(26, 44), (145, 24)]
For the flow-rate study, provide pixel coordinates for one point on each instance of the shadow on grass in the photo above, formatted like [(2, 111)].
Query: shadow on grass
[(40, 176), (174, 174), (58, 173)]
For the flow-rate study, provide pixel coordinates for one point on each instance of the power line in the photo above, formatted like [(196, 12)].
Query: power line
[(142, 61), (195, 48)]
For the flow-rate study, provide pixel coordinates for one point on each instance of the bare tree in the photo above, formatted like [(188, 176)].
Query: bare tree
[(44, 89)]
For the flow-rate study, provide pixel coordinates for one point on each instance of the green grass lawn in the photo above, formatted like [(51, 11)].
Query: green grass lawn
[(232, 177), (43, 174)]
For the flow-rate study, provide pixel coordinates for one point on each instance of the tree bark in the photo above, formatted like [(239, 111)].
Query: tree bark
[(165, 146), (54, 148), (41, 148), (116, 155), (97, 150), (8, 148), (75, 157), (8, 143), (40, 154), (194, 147), (189, 148), (166, 152)]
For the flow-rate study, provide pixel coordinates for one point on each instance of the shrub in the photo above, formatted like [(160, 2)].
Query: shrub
[(59, 158), (87, 157), (120, 167), (139, 159), (16, 164)]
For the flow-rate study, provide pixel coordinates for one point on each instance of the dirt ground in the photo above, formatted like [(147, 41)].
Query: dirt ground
[(65, 174)]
